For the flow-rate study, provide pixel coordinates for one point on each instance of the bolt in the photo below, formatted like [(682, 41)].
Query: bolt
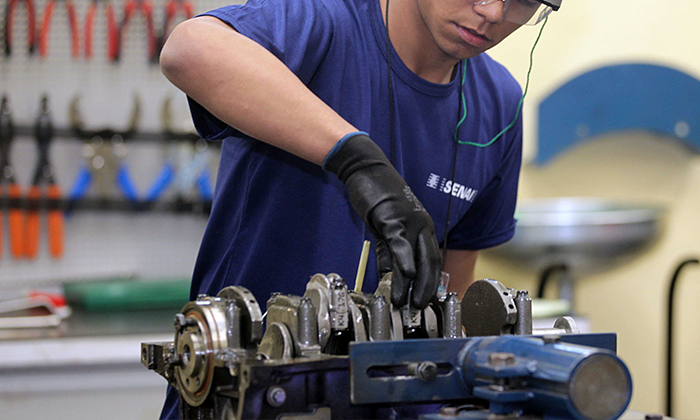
[(173, 360), (551, 339), (182, 322), (501, 359), (276, 396), (427, 371)]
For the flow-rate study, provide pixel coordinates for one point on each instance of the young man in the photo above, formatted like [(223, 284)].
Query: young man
[(281, 82), (296, 88)]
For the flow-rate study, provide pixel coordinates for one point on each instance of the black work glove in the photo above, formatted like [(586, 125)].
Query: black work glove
[(404, 230)]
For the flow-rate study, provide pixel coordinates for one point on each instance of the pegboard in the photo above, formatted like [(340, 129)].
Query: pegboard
[(97, 244)]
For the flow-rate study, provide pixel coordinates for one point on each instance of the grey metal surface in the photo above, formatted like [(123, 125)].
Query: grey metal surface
[(451, 316), (523, 303), (380, 319), (251, 316), (583, 233), (488, 308), (599, 387)]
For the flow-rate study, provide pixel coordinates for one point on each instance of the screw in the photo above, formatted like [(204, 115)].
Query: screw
[(276, 396), (425, 371)]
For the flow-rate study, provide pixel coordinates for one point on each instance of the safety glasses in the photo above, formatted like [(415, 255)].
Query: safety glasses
[(522, 12)]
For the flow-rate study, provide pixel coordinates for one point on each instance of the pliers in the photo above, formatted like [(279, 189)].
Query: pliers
[(104, 152), (112, 29), (46, 28), (43, 176), (186, 165), (12, 194), (172, 7), (132, 7), (31, 25)]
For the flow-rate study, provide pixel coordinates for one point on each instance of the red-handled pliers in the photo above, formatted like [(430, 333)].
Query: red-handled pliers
[(172, 7), (46, 28), (112, 29), (132, 7), (31, 25)]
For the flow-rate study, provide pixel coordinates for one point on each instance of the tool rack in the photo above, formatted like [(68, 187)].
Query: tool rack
[(104, 238)]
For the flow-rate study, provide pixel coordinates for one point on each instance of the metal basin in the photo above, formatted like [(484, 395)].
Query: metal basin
[(585, 234)]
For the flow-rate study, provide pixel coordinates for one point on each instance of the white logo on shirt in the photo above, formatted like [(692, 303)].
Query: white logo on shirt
[(446, 186)]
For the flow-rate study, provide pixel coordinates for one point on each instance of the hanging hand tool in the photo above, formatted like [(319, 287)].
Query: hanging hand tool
[(46, 28), (43, 177), (105, 169), (186, 165), (12, 194), (104, 158), (31, 25), (172, 7), (78, 126), (131, 7), (112, 29)]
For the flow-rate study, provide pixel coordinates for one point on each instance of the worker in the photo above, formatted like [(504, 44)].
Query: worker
[(353, 120)]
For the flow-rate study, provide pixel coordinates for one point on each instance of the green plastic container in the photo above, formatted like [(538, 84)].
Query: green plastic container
[(128, 295)]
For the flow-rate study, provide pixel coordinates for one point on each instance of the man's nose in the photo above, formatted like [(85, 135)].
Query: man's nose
[(493, 11)]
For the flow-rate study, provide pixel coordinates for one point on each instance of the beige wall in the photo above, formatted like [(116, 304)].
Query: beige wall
[(630, 298)]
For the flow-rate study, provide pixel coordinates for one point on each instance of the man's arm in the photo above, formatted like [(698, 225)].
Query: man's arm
[(460, 265), (247, 87)]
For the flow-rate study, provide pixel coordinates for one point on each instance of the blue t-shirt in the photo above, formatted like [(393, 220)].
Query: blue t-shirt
[(277, 219)]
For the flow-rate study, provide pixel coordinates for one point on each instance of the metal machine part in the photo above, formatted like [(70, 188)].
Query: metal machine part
[(334, 354), (212, 334), (489, 308)]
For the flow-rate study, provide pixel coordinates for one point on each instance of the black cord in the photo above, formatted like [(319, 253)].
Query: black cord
[(452, 176), (391, 85), (547, 274), (392, 130), (669, 335)]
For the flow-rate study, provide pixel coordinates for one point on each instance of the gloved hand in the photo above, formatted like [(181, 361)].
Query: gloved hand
[(404, 230)]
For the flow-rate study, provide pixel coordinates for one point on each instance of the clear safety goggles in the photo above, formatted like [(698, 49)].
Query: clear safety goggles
[(522, 12)]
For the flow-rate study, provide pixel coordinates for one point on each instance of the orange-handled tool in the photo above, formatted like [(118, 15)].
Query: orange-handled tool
[(43, 176), (33, 224), (15, 217), (8, 186), (54, 220)]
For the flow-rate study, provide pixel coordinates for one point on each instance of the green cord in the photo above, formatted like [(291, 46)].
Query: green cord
[(520, 105)]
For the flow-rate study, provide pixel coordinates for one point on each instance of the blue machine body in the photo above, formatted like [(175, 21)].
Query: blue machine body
[(556, 380)]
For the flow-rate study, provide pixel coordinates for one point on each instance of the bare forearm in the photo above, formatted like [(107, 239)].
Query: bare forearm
[(461, 265), (247, 87)]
